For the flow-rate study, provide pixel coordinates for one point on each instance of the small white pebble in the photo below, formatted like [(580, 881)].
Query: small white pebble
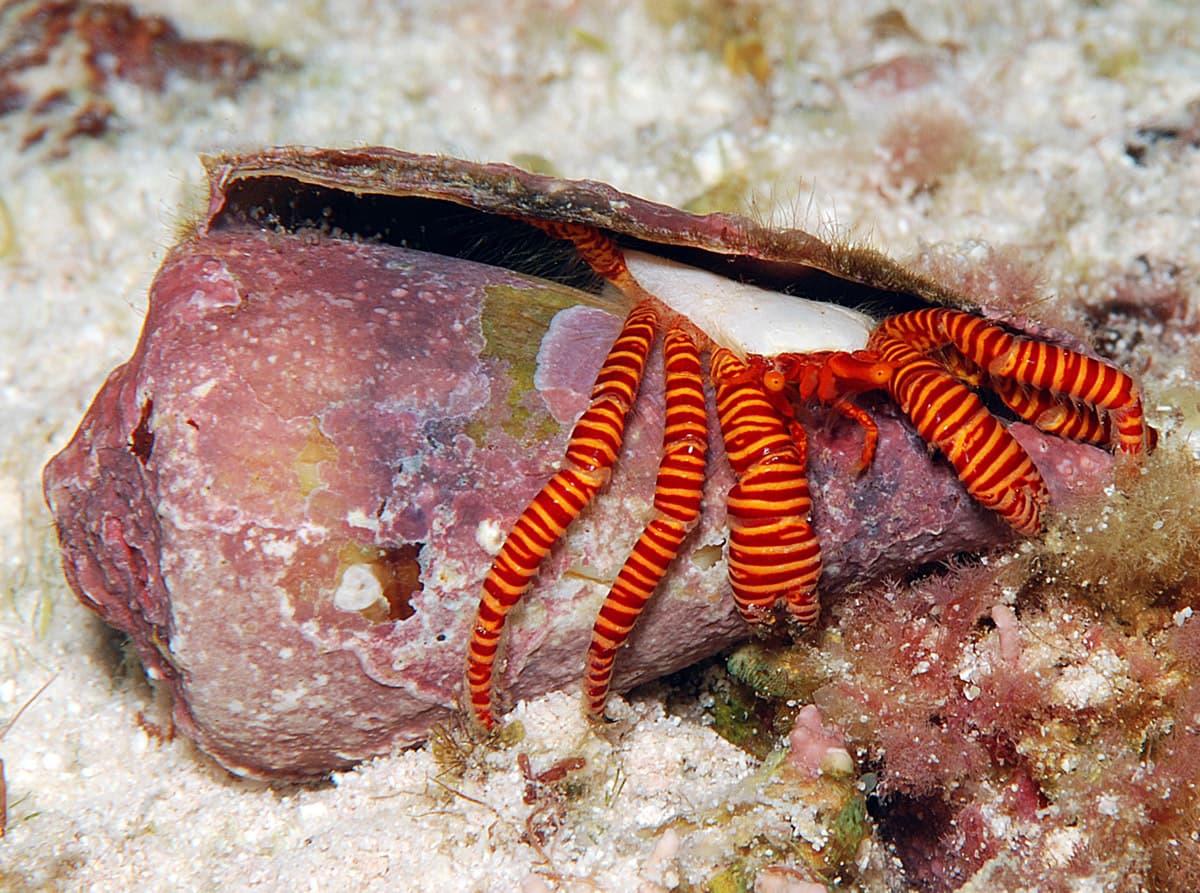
[(837, 761), (488, 536), (358, 590)]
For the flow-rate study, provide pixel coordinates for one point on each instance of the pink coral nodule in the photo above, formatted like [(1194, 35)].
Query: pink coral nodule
[(816, 748)]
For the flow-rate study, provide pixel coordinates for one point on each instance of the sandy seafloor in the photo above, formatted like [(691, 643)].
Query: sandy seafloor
[(1048, 95)]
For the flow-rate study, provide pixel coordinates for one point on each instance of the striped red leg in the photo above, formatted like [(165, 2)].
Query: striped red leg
[(1058, 390), (600, 252), (1055, 413), (989, 461), (773, 552), (591, 453), (677, 494), (1050, 412)]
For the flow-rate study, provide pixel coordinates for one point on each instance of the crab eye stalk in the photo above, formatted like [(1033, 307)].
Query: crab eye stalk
[(774, 382)]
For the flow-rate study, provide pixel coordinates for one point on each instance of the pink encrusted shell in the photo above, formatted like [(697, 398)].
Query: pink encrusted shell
[(349, 384)]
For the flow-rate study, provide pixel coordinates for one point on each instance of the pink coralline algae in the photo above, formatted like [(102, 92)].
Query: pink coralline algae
[(815, 748), (290, 494)]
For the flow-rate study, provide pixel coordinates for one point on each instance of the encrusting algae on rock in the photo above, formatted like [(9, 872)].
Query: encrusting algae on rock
[(1033, 714)]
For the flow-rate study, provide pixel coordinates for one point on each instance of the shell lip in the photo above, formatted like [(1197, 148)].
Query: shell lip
[(472, 211)]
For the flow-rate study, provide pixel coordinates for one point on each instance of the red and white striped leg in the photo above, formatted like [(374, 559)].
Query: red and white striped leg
[(677, 494), (1058, 390), (989, 461), (1055, 413), (773, 552), (591, 453)]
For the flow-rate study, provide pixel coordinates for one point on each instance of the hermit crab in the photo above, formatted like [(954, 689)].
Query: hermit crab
[(768, 353), (359, 367)]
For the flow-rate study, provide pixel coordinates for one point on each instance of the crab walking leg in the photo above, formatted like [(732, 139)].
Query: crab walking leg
[(989, 461), (598, 250), (1055, 413), (773, 552), (1050, 412), (591, 453), (677, 494), (1037, 365)]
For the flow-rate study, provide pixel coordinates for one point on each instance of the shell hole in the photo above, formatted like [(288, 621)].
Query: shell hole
[(141, 439), (397, 575)]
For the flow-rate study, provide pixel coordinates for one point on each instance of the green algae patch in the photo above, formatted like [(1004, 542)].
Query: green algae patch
[(783, 672), (513, 322)]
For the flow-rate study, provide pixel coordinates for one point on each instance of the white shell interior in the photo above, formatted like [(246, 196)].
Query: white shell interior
[(745, 318)]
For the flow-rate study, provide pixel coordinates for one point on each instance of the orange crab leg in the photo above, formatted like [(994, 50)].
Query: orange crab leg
[(870, 431), (600, 252), (677, 494), (989, 461), (591, 454), (775, 388), (1080, 384), (1053, 413), (773, 552), (1056, 414)]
